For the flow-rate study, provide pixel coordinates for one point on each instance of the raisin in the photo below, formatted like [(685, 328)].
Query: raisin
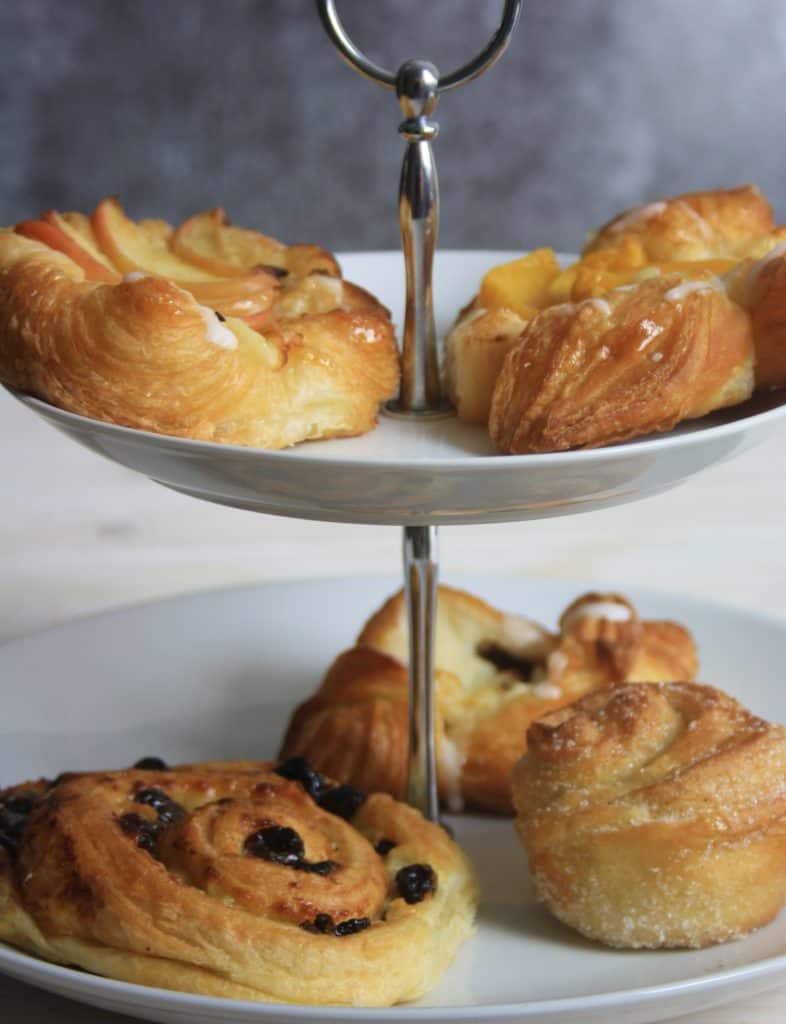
[(151, 764), (297, 769), (342, 801), (384, 846), (415, 881), (352, 925)]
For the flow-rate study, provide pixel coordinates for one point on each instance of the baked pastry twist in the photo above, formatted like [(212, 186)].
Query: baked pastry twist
[(674, 310), (655, 815), (206, 331), (495, 673), (241, 879)]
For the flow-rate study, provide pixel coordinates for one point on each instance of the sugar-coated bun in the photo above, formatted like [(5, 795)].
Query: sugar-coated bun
[(655, 815)]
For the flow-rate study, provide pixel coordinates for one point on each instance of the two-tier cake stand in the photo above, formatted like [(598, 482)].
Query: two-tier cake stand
[(421, 468)]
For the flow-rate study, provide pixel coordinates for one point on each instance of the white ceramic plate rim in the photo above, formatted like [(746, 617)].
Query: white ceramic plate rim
[(146, 994)]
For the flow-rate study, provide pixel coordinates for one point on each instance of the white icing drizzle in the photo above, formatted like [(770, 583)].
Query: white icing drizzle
[(638, 214), (451, 764), (215, 331), (600, 304), (546, 691), (681, 291), (612, 611), (651, 332), (133, 275)]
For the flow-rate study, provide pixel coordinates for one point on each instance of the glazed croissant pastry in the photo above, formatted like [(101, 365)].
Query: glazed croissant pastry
[(674, 310), (495, 673), (248, 880), (655, 815), (206, 331)]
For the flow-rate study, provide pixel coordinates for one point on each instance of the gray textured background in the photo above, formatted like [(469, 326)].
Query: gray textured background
[(177, 105)]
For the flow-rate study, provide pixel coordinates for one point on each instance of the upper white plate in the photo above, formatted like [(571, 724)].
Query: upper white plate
[(216, 675), (408, 472)]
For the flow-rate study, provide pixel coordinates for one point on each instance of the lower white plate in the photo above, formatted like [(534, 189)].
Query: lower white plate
[(215, 675)]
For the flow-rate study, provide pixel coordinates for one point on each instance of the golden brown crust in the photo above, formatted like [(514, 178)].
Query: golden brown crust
[(647, 811), (606, 370), (693, 226), (495, 674), (537, 381), (195, 910), (291, 358)]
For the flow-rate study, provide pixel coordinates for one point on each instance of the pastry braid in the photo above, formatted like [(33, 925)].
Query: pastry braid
[(495, 674), (205, 331)]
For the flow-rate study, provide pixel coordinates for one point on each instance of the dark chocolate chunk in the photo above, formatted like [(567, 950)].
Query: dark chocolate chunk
[(274, 271), (506, 661), (151, 764), (415, 881), (220, 316), (343, 801), (297, 769)]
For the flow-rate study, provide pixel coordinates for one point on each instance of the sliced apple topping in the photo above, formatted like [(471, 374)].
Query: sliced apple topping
[(53, 231)]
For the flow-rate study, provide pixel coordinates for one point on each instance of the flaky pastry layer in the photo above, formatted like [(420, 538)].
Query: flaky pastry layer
[(236, 880), (495, 674), (675, 309), (655, 816), (206, 331)]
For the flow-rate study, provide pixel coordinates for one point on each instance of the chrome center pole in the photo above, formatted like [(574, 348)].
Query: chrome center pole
[(418, 85)]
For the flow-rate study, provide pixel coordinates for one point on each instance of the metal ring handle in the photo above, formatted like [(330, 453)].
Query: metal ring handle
[(358, 60)]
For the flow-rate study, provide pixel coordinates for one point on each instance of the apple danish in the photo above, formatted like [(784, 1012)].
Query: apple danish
[(495, 673), (655, 816), (674, 310), (207, 331), (249, 880)]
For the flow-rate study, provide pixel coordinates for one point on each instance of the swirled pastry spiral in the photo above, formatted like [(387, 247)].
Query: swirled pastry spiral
[(655, 815), (206, 331), (495, 674), (248, 880), (675, 309)]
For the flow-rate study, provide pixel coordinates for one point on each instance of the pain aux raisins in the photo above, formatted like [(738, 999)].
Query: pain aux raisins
[(323, 924), (415, 881), (340, 800), (282, 845)]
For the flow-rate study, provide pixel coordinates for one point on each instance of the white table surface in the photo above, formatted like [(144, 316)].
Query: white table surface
[(79, 534)]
